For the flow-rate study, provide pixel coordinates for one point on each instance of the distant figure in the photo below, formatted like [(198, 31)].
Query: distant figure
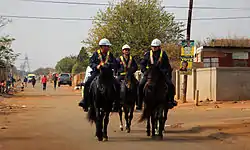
[(2, 85), (33, 81), (55, 78), (22, 87), (25, 80), (44, 82)]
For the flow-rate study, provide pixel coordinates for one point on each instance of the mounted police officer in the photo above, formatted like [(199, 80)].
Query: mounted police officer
[(152, 57), (126, 65), (99, 58)]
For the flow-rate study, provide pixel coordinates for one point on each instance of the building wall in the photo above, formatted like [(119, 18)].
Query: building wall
[(223, 83), (233, 83)]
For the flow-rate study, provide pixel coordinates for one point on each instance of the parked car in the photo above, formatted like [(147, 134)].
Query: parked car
[(65, 79)]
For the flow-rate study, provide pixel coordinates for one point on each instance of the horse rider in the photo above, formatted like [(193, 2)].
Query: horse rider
[(99, 58), (154, 56), (126, 65)]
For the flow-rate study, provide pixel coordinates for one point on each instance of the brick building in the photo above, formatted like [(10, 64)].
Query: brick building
[(223, 56)]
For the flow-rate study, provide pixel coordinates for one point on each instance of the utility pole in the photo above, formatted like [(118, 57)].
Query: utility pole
[(184, 87)]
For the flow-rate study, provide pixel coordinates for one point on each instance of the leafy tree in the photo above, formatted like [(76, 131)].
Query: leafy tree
[(4, 21), (66, 64), (82, 61), (7, 55), (134, 22)]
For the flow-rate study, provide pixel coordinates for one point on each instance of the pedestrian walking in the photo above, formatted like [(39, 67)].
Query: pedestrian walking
[(55, 78), (44, 82), (25, 80), (33, 81)]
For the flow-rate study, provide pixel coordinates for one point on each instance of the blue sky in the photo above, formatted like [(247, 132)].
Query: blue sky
[(47, 41)]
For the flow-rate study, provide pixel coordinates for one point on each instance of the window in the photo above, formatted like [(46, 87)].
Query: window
[(240, 63), (210, 62)]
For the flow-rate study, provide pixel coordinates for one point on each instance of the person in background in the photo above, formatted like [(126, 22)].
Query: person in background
[(2, 85), (44, 82), (55, 78), (33, 81), (25, 80), (22, 86)]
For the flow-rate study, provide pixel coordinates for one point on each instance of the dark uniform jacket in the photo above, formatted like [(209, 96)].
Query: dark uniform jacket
[(121, 68), (95, 61), (164, 66)]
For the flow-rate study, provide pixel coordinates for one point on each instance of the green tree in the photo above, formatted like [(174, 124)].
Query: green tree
[(66, 64), (7, 55), (82, 61), (134, 22)]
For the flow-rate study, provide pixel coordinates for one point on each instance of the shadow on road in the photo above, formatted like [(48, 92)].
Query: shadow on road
[(165, 139)]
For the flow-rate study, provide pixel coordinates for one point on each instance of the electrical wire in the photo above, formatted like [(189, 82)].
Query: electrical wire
[(106, 4), (90, 19)]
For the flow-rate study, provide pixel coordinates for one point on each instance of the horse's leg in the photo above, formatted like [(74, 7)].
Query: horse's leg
[(148, 126), (99, 119), (153, 121), (165, 116), (161, 122), (126, 111), (120, 115), (105, 129), (131, 115)]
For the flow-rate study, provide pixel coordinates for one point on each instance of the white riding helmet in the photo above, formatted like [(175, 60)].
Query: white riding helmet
[(104, 42), (156, 42), (126, 46)]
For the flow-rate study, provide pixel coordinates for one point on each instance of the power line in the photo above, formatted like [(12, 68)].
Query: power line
[(64, 2), (47, 18), (90, 19), (106, 4), (222, 18)]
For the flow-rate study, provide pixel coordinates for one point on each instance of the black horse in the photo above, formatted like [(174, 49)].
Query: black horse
[(128, 95), (102, 91), (156, 101)]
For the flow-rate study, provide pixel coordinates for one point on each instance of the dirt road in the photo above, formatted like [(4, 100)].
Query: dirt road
[(52, 120)]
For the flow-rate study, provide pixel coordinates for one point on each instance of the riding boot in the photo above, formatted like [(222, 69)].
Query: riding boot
[(84, 103)]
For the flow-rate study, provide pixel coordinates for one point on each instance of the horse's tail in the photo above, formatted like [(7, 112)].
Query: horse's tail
[(145, 114), (91, 115)]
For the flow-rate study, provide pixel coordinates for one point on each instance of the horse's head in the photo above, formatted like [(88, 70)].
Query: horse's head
[(155, 75), (106, 72)]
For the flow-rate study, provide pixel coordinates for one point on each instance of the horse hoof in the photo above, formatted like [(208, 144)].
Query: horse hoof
[(148, 133), (128, 130), (100, 138), (159, 137), (121, 127)]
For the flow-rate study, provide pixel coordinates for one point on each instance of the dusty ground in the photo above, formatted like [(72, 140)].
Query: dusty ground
[(52, 120)]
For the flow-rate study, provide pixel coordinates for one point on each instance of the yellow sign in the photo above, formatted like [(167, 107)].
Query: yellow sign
[(187, 48), (187, 56)]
